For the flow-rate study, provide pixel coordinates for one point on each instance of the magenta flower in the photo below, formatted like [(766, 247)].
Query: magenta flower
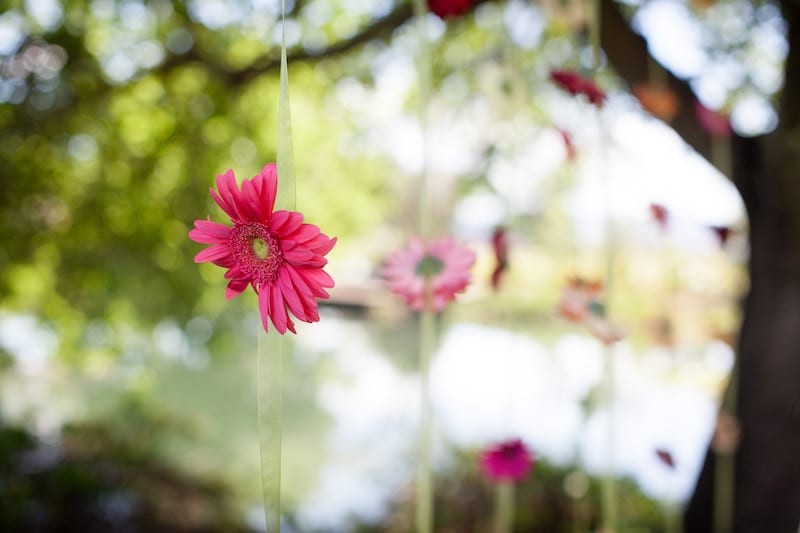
[(429, 276), (273, 251), (713, 122), (508, 461), (449, 8)]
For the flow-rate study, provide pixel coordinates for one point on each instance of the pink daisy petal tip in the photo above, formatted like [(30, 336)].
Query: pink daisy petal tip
[(255, 250)]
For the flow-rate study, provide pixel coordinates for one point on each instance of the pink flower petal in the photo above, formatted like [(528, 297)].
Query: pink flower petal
[(212, 253), (264, 308), (207, 232), (277, 308), (235, 287), (267, 185)]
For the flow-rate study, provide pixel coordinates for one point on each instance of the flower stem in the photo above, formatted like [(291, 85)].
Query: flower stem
[(427, 333), (504, 507), (269, 386)]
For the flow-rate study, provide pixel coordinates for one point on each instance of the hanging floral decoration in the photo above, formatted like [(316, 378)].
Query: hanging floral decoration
[(449, 8), (508, 461), (722, 233), (661, 102), (575, 84), (666, 458), (274, 252), (727, 433), (428, 276), (500, 249), (581, 303), (713, 122), (569, 146), (660, 214)]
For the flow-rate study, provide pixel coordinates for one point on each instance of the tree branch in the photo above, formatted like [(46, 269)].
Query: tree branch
[(377, 29)]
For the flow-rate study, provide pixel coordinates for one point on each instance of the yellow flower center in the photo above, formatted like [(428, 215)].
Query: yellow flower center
[(260, 248)]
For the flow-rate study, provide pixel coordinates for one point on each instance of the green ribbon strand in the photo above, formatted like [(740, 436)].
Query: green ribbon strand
[(427, 318), (271, 346), (504, 507), (286, 198), (269, 376), (608, 487), (427, 342)]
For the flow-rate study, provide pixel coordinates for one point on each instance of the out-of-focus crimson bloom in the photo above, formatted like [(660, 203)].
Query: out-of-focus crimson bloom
[(727, 433), (500, 248), (568, 144), (577, 297), (665, 457), (575, 84), (713, 122), (428, 276), (449, 8), (661, 102), (274, 252), (660, 215), (722, 233), (509, 461)]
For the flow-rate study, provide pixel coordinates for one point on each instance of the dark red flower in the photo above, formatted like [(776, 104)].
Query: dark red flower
[(722, 233), (665, 457), (449, 8), (660, 215), (575, 84), (500, 247)]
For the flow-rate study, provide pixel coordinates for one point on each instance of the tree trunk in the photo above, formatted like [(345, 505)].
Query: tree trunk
[(767, 462)]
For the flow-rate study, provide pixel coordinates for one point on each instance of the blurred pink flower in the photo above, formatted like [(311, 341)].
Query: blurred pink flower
[(575, 84), (273, 251), (428, 276), (508, 461), (577, 297), (713, 122), (449, 8)]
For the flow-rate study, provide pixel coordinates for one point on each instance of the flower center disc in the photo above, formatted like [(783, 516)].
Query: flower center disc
[(260, 248), (257, 252), (429, 266)]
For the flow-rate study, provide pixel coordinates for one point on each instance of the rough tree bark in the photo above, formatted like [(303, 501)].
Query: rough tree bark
[(766, 171)]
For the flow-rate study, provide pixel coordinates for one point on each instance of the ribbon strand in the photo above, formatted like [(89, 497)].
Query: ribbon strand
[(271, 346)]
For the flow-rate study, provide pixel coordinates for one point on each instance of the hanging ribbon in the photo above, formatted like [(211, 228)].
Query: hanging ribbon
[(271, 346), (504, 507), (427, 319), (608, 488)]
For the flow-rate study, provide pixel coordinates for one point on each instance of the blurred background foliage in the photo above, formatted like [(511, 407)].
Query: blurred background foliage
[(115, 117)]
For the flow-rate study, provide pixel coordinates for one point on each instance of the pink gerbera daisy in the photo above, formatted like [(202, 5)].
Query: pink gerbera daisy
[(429, 276), (508, 461), (273, 251)]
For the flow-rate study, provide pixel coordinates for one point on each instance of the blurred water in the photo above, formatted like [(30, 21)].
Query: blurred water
[(352, 401)]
